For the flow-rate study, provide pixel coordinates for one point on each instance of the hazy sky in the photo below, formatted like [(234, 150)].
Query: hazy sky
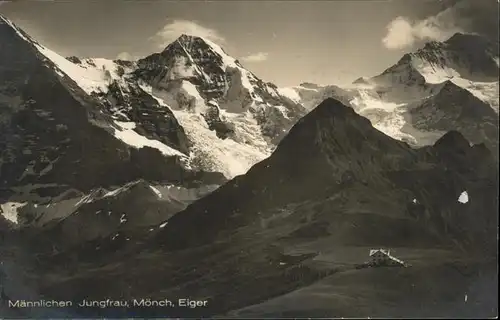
[(285, 42)]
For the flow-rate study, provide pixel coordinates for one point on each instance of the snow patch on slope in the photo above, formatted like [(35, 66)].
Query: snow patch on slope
[(433, 73), (85, 199), (290, 93), (233, 156), (464, 197), (247, 130), (90, 80), (177, 193), (163, 225), (365, 99), (211, 153), (116, 191), (387, 117), (127, 134), (189, 91), (9, 210), (227, 156), (156, 191)]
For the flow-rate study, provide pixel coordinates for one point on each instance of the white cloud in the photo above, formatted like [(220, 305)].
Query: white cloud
[(176, 28), (125, 56), (256, 57), (402, 32)]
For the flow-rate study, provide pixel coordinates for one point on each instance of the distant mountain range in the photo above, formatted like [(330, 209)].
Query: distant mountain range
[(65, 118), (183, 175), (451, 85)]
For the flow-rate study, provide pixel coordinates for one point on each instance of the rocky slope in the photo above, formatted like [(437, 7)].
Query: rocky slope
[(334, 188)]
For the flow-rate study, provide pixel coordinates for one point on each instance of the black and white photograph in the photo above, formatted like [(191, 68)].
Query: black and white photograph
[(245, 159)]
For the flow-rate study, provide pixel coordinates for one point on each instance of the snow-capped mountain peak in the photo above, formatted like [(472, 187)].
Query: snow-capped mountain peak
[(208, 67), (466, 56), (211, 92), (196, 46)]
